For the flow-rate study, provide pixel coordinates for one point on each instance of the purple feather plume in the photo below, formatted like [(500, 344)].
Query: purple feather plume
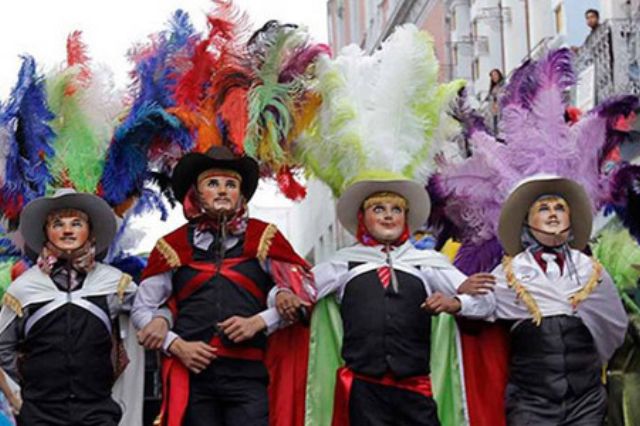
[(299, 60), (483, 257)]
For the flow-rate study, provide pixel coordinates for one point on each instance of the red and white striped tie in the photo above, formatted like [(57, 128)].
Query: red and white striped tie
[(384, 273)]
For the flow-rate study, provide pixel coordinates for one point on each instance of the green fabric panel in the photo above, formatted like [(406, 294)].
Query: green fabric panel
[(623, 379), (445, 371), (5, 275), (324, 360)]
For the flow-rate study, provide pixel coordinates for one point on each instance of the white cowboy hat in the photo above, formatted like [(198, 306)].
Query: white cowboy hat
[(34, 214), (516, 208), (350, 202)]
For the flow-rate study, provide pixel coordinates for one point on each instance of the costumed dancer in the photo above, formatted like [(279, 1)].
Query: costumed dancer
[(216, 273), (63, 321), (566, 316), (54, 139), (387, 289), (577, 316)]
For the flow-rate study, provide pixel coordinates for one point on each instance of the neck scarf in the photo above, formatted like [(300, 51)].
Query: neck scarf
[(83, 259)]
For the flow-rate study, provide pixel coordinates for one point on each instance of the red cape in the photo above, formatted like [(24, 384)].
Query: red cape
[(287, 349), (485, 355)]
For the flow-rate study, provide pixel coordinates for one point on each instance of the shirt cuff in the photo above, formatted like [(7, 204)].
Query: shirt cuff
[(271, 318), (168, 340), (465, 302), (271, 297)]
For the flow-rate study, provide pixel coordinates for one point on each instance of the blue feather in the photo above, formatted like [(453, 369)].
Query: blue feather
[(132, 265), (25, 119), (127, 165)]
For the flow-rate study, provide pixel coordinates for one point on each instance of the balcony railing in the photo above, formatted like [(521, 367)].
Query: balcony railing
[(613, 50)]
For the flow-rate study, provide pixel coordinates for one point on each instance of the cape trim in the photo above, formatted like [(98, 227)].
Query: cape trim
[(13, 303), (123, 286), (170, 255), (265, 242)]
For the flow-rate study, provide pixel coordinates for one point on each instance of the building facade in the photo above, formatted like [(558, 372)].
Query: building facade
[(502, 34), (368, 23)]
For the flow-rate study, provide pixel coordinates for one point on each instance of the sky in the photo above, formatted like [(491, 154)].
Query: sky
[(110, 28)]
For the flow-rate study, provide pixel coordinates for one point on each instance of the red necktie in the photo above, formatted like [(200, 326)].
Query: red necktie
[(384, 273)]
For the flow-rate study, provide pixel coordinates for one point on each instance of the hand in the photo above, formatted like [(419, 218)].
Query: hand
[(15, 402), (153, 334), (476, 284), (438, 303), (288, 305), (238, 329), (196, 356)]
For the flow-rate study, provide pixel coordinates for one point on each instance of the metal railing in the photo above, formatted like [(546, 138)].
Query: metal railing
[(613, 49)]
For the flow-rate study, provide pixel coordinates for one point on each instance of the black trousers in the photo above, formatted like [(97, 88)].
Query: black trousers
[(104, 412), (525, 409), (221, 400), (372, 404)]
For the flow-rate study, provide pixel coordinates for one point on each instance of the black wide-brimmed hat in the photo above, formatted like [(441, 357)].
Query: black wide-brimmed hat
[(219, 157)]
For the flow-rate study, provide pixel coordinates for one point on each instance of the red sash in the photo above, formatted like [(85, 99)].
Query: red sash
[(344, 382), (175, 380)]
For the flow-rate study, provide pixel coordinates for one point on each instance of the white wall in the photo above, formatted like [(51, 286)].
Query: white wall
[(489, 28), (515, 34)]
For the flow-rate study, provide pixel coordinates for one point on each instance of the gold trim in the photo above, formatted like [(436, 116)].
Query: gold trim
[(265, 242), (13, 303), (526, 297), (170, 255), (591, 285), (123, 284), (521, 292)]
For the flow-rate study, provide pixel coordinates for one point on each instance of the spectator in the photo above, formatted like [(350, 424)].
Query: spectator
[(495, 88), (592, 17)]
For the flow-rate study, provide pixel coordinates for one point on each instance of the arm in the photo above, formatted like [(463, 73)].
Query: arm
[(330, 278), (293, 293), (148, 315), (9, 346), (448, 280)]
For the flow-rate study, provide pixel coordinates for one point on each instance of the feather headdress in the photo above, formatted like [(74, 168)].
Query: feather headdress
[(196, 90), (385, 123), (86, 109), (25, 142), (538, 140), (150, 140)]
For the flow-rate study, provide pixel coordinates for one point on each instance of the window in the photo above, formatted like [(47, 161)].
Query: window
[(559, 19), (474, 29), (454, 56), (453, 20)]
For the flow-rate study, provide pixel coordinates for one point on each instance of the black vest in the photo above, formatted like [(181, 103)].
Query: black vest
[(555, 358), (218, 299), (66, 354), (385, 331)]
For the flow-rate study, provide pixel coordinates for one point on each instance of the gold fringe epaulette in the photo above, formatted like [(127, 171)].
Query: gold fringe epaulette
[(123, 285), (13, 303), (589, 287), (170, 255), (521, 292), (265, 242)]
